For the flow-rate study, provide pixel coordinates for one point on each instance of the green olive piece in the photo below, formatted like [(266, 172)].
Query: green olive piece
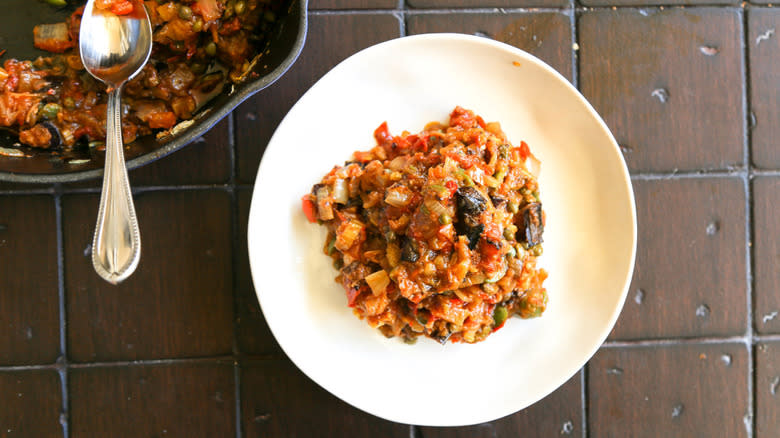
[(211, 48), (50, 110), (185, 12), (197, 25), (240, 7), (499, 316)]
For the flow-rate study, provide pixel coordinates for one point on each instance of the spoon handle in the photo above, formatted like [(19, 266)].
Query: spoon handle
[(116, 248)]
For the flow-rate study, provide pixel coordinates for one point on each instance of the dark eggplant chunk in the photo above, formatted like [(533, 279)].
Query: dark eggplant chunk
[(470, 204), (56, 138), (473, 234), (408, 250), (498, 201), (531, 226)]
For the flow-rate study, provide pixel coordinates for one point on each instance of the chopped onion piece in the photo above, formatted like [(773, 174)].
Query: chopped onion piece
[(533, 165), (398, 196), (378, 282), (340, 191), (435, 207)]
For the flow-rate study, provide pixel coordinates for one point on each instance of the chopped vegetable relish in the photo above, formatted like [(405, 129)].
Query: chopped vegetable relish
[(199, 45), (436, 233)]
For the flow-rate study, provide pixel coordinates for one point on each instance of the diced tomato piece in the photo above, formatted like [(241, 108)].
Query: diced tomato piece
[(352, 294), (122, 8), (452, 186), (308, 209), (118, 7), (481, 122), (208, 9), (164, 120), (525, 151), (421, 144), (382, 134)]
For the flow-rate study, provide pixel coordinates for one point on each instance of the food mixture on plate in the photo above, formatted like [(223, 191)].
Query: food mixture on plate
[(436, 233), (199, 45)]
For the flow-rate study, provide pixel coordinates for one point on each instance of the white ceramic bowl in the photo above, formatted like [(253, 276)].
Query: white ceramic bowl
[(590, 237)]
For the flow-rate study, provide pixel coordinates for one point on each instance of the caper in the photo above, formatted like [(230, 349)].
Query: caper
[(514, 207), (509, 232), (537, 250), (228, 11), (445, 219), (68, 102), (269, 16), (185, 12), (211, 48), (197, 25), (239, 7)]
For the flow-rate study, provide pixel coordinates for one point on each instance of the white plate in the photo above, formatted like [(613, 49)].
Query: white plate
[(590, 238)]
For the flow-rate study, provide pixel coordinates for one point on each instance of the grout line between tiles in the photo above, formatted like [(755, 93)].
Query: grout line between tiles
[(575, 77), (232, 144), (750, 420), (136, 190), (152, 362), (763, 172), (511, 10), (62, 362), (234, 219), (575, 56), (584, 400), (677, 341), (716, 173)]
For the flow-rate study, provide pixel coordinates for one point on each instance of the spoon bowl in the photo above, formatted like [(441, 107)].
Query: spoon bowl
[(114, 48)]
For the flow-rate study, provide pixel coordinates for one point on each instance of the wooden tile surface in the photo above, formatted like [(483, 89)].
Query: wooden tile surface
[(32, 404), (669, 391), (764, 52), (153, 401), (766, 254), (29, 294), (690, 275), (429, 4), (272, 406), (658, 78), (178, 303), (767, 389)]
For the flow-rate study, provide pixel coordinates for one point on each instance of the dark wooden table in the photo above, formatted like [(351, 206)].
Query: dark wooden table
[(692, 95)]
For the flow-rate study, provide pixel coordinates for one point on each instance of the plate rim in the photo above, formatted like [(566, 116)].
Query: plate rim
[(624, 172)]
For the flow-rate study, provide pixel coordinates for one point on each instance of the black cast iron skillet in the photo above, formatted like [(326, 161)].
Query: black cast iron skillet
[(16, 25)]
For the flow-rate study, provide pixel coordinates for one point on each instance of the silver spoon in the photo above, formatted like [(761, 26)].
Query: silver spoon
[(114, 49)]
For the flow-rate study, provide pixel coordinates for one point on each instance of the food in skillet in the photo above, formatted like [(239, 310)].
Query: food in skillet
[(199, 45), (436, 233)]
